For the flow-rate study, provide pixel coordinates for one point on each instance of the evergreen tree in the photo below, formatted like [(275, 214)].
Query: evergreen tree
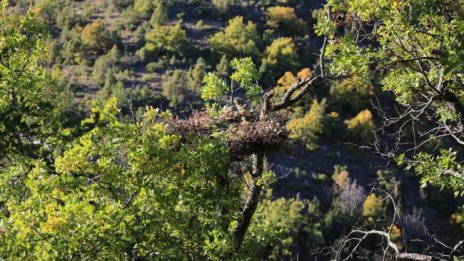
[(195, 75), (160, 14), (223, 68)]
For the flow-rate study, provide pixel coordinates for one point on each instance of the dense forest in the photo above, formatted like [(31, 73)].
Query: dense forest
[(231, 130)]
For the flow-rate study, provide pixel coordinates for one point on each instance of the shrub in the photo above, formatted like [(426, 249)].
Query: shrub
[(166, 39), (104, 63), (361, 126), (291, 218), (160, 14), (373, 208), (96, 38), (351, 94), (279, 57), (284, 20), (154, 66), (143, 7), (342, 179), (237, 39), (310, 126), (223, 5), (174, 87), (195, 75)]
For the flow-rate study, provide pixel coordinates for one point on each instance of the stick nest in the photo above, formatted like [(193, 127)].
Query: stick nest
[(245, 132)]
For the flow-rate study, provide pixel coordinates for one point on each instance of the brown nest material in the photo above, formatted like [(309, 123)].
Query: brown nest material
[(260, 136), (245, 133)]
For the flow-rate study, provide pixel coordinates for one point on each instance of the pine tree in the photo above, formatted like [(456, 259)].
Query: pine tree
[(196, 74), (223, 68), (160, 14)]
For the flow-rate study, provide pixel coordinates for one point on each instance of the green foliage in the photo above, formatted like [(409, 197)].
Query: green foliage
[(166, 39), (143, 7), (284, 20), (413, 51), (224, 5), (160, 14), (288, 218), (213, 87), (130, 185), (279, 57), (236, 40), (351, 94), (29, 100), (373, 208), (196, 74), (120, 188), (309, 127), (105, 63), (47, 9), (113, 88), (174, 85), (442, 170), (347, 58), (223, 68), (388, 181), (337, 221), (246, 74), (361, 127), (96, 38)]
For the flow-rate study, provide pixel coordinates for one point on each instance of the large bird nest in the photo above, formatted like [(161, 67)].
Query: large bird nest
[(245, 132)]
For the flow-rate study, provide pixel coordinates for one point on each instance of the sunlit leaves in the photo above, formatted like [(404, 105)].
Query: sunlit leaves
[(442, 170), (238, 39), (125, 186), (166, 38), (246, 75), (213, 88)]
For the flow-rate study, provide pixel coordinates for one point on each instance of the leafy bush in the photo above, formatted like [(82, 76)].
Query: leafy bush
[(143, 7), (154, 66), (166, 39), (195, 74), (174, 87), (308, 128), (292, 218), (223, 5), (96, 38), (279, 57), (361, 127), (160, 13), (284, 20), (237, 39), (104, 63), (351, 94), (373, 208)]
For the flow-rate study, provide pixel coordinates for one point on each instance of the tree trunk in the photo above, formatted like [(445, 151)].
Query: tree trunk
[(251, 200)]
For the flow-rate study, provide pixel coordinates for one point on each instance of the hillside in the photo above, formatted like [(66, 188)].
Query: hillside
[(356, 151)]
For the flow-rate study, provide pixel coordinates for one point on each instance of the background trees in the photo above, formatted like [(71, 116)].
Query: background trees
[(237, 40), (107, 169), (408, 49), (279, 57), (284, 20), (166, 38), (96, 38)]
